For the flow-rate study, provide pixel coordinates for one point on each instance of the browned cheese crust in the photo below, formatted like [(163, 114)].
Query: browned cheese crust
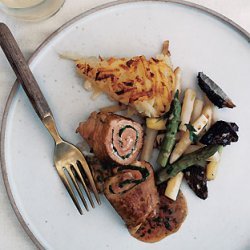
[(139, 201), (146, 85), (113, 138)]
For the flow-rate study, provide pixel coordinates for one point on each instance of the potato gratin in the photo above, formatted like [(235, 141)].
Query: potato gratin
[(146, 85)]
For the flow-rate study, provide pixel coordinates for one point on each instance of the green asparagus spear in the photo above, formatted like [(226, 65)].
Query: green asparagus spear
[(196, 158), (172, 127)]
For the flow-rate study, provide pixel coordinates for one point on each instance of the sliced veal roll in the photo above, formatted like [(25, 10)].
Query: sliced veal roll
[(113, 138), (132, 193), (99, 172), (168, 220)]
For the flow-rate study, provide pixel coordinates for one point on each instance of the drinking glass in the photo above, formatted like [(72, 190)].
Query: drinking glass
[(31, 10)]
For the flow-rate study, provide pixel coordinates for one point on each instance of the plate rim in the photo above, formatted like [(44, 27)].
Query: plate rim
[(220, 17)]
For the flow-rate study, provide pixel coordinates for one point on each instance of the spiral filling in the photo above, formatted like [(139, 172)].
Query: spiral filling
[(127, 178), (126, 143)]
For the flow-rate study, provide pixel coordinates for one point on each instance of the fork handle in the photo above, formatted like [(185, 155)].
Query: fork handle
[(23, 72)]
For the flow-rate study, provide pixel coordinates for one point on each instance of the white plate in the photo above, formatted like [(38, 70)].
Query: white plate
[(199, 42)]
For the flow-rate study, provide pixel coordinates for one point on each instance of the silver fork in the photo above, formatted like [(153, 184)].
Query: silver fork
[(69, 161)]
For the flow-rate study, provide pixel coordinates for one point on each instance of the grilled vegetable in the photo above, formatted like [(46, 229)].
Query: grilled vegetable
[(215, 94), (177, 73), (192, 133), (215, 157), (185, 140), (196, 158), (222, 133), (187, 108), (197, 109), (148, 144), (208, 112), (192, 148), (173, 186), (172, 127), (212, 166), (156, 123), (197, 181), (212, 169), (158, 141)]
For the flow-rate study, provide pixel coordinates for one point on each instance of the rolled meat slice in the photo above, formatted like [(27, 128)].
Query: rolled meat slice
[(113, 138), (132, 193), (171, 215), (99, 172)]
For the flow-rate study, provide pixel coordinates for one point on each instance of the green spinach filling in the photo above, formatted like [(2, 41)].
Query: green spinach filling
[(144, 174), (120, 134)]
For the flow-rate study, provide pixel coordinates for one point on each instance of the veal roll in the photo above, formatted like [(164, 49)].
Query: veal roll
[(113, 138), (132, 193)]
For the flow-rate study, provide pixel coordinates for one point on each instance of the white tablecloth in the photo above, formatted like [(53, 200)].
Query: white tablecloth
[(29, 36)]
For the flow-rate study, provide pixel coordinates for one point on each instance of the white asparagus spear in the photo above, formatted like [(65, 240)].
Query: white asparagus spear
[(212, 166), (187, 108), (212, 169), (185, 141), (208, 112), (148, 144), (177, 73), (173, 186), (215, 157), (192, 148), (197, 109)]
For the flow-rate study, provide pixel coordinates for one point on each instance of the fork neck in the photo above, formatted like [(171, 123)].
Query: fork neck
[(49, 123)]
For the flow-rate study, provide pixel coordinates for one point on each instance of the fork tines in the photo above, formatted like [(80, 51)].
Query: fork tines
[(73, 176)]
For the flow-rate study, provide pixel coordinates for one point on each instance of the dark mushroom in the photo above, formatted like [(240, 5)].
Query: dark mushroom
[(214, 93), (197, 180), (221, 133)]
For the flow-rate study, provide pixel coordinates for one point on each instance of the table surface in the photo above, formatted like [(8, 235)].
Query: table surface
[(29, 37)]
